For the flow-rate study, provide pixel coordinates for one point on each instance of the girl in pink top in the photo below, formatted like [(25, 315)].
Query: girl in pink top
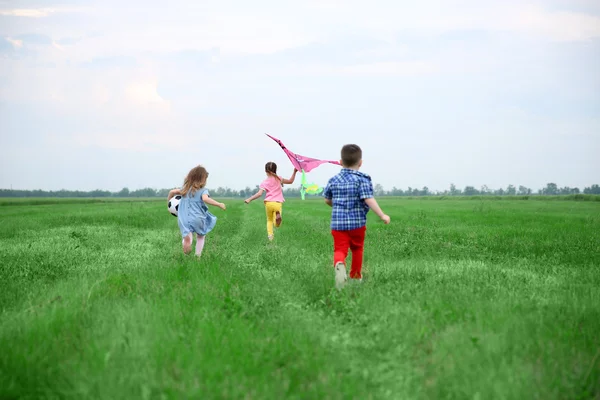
[(274, 199)]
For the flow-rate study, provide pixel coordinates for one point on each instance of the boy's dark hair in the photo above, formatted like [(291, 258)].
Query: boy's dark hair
[(351, 155)]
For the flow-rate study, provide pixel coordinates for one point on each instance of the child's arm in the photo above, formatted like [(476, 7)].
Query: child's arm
[(172, 193), (256, 196), (208, 200), (372, 203), (328, 194), (291, 180)]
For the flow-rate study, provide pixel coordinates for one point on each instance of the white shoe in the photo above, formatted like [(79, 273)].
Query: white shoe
[(340, 275), (270, 238)]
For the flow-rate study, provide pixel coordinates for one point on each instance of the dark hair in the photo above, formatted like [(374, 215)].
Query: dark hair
[(351, 155), (271, 169)]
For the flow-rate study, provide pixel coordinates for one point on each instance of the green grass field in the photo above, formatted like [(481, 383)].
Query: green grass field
[(461, 300)]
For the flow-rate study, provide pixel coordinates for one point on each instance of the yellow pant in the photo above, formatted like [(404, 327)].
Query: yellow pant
[(272, 207)]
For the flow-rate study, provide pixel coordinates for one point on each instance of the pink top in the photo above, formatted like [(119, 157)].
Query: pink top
[(273, 188)]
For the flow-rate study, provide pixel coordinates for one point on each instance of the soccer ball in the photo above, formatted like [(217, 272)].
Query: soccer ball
[(174, 205)]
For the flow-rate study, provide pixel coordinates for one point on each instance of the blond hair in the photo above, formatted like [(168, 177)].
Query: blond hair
[(195, 180)]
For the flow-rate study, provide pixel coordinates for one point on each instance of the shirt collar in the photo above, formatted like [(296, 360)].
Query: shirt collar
[(355, 172)]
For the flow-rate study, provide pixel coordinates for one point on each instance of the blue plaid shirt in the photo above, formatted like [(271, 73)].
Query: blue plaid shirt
[(348, 191)]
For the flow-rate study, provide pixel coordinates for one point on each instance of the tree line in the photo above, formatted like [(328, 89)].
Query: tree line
[(551, 189)]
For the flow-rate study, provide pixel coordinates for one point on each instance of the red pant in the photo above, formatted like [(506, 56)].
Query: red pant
[(353, 240)]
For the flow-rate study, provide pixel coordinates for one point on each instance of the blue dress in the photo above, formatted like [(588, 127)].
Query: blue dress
[(193, 214)]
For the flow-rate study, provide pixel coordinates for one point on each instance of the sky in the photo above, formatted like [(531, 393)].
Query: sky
[(111, 94)]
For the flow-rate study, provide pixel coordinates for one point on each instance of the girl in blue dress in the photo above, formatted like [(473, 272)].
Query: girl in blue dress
[(193, 216)]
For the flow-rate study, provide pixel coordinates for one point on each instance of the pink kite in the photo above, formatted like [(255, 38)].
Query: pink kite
[(301, 163), (304, 164)]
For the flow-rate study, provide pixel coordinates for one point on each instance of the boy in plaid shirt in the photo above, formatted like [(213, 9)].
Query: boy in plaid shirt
[(350, 194)]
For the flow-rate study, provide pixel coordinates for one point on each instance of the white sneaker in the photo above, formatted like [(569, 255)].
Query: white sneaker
[(270, 238), (340, 275)]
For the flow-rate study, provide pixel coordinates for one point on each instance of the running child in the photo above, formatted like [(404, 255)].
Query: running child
[(350, 194), (193, 216), (274, 199)]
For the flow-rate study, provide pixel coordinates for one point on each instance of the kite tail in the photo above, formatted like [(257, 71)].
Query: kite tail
[(303, 186), (309, 188)]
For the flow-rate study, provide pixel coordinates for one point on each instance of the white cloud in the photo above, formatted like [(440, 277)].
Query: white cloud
[(37, 12), (144, 94), (560, 26), (374, 69), (58, 46), (41, 12), (131, 140), (24, 12), (390, 69), (381, 67), (100, 94), (17, 44), (430, 17)]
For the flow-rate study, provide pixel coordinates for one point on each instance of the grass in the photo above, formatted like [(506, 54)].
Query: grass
[(461, 299)]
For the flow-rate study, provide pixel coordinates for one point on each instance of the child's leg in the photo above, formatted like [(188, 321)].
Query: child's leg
[(200, 245), (187, 243), (270, 215), (357, 242), (278, 212), (341, 244)]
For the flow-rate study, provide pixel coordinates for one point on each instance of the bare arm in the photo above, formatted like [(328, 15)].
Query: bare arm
[(291, 180), (208, 200), (372, 203), (329, 202), (172, 193), (256, 196)]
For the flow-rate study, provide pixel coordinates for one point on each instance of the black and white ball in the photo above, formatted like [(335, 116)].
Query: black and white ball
[(174, 205)]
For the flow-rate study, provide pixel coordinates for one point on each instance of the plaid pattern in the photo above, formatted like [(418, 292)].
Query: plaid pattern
[(348, 190)]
